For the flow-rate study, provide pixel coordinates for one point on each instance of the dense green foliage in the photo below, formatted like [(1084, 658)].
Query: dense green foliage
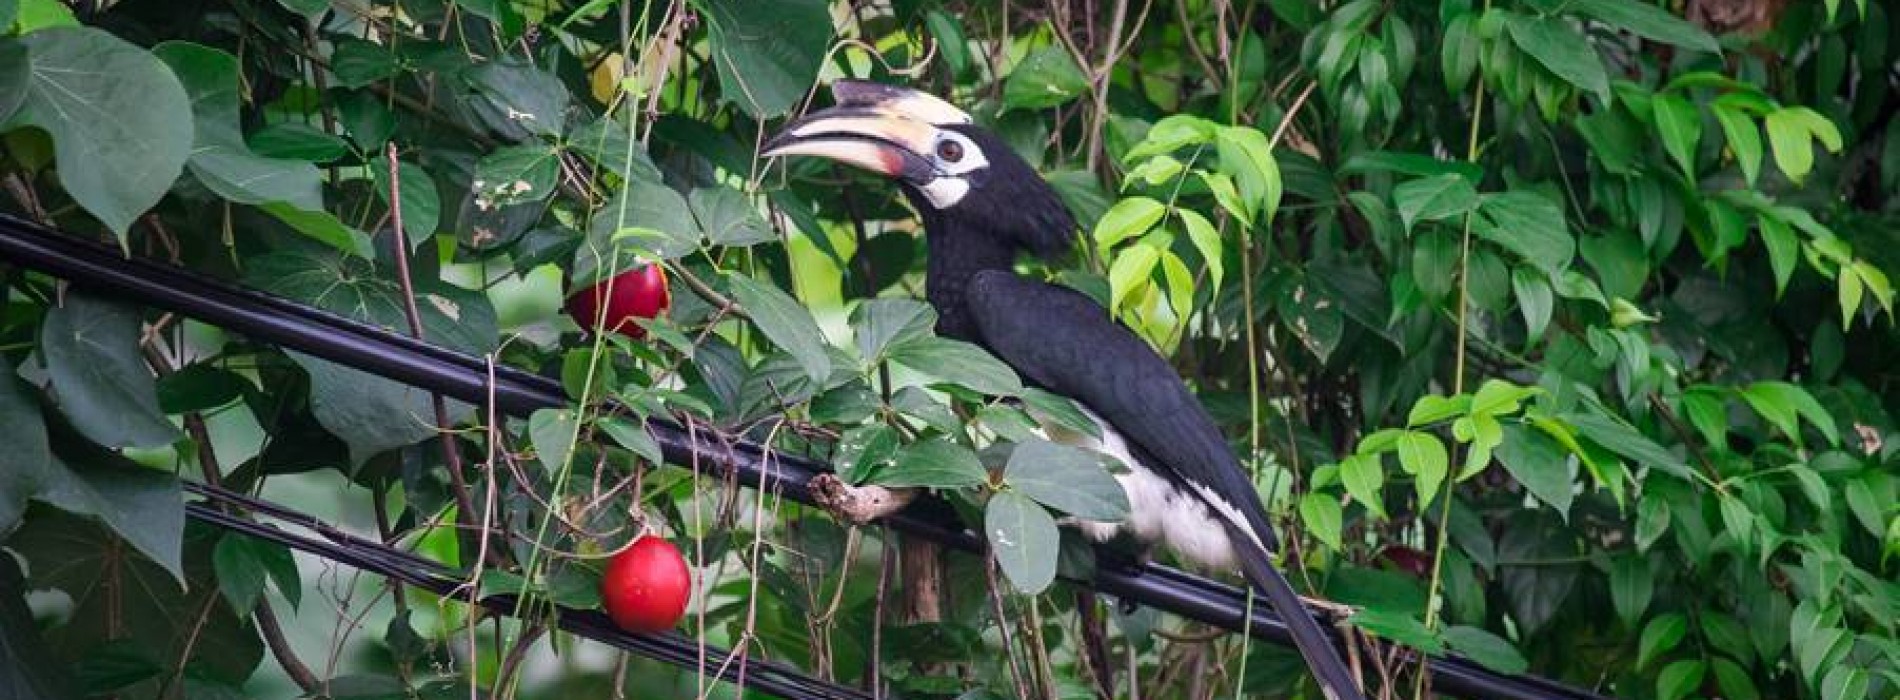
[(1573, 316)]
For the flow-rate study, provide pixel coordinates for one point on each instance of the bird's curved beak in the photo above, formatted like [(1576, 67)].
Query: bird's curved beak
[(881, 128)]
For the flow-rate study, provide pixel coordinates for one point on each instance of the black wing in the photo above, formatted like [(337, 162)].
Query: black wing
[(1063, 341)]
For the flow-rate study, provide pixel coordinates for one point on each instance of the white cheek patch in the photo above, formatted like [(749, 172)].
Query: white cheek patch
[(1159, 512), (945, 192)]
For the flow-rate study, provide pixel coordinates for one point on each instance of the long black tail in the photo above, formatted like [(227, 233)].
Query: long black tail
[(1335, 680)]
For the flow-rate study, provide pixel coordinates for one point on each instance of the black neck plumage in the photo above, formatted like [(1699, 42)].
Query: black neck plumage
[(957, 250)]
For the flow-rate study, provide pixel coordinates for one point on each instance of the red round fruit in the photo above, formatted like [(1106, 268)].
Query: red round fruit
[(646, 586), (637, 293)]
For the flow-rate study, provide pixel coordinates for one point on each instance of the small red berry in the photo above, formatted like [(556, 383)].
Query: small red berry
[(646, 586), (637, 293)]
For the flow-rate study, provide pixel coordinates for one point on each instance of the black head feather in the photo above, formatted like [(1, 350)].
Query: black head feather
[(1008, 199)]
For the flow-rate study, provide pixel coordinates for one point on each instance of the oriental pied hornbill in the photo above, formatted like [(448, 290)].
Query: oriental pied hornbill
[(981, 204)]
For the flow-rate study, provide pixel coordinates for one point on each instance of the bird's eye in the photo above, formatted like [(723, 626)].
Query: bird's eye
[(950, 151)]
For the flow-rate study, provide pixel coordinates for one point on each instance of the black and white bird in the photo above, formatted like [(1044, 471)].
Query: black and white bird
[(981, 205)]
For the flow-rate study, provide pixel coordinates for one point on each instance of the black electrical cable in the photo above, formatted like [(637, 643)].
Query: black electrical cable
[(515, 392), (418, 572)]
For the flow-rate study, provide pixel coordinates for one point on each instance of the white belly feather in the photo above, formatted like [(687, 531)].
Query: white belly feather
[(1158, 512)]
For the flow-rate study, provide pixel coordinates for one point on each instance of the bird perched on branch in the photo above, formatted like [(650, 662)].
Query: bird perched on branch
[(981, 205)]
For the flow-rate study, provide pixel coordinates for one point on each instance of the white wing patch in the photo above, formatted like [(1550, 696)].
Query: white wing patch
[(1159, 512)]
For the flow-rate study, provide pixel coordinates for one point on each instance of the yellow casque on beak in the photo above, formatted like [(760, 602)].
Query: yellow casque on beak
[(880, 128)]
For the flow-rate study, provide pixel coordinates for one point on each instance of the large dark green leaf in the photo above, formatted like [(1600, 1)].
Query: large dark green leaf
[(767, 60), (1530, 225), (515, 175), (643, 217), (1539, 464), (519, 100), (121, 124), (1046, 77), (119, 595), (1024, 540), (1561, 49), (729, 217), (92, 356), (1068, 479), (786, 322), (421, 203), (959, 363), (26, 462), (1648, 21), (219, 156), (370, 413), (882, 324), (934, 463), (28, 670)]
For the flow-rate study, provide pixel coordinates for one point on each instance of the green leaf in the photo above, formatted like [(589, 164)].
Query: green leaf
[(1529, 225), (785, 321), (1247, 156), (421, 204), (370, 413), (863, 449), (1679, 124), (633, 436), (1781, 403), (120, 122), (1363, 476), (1845, 683), (516, 174), (1534, 300), (1679, 679), (552, 432), (1422, 455), (1131, 272), (728, 217), (1488, 649), (959, 363), (91, 348), (1622, 439), (244, 564), (1068, 479), (1791, 131), (219, 157), (767, 61), (1744, 139), (1734, 680), (1226, 196), (1432, 408), (1060, 411), (1024, 540), (1130, 217), (1562, 50), (1659, 637), (1783, 248), (297, 141), (25, 466), (1652, 520), (640, 205), (1648, 21), (1206, 240), (1398, 626), (1538, 462), (1631, 588), (323, 227), (609, 143), (518, 99), (357, 63), (1047, 77), (882, 324), (1323, 519), (1433, 198), (934, 463)]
